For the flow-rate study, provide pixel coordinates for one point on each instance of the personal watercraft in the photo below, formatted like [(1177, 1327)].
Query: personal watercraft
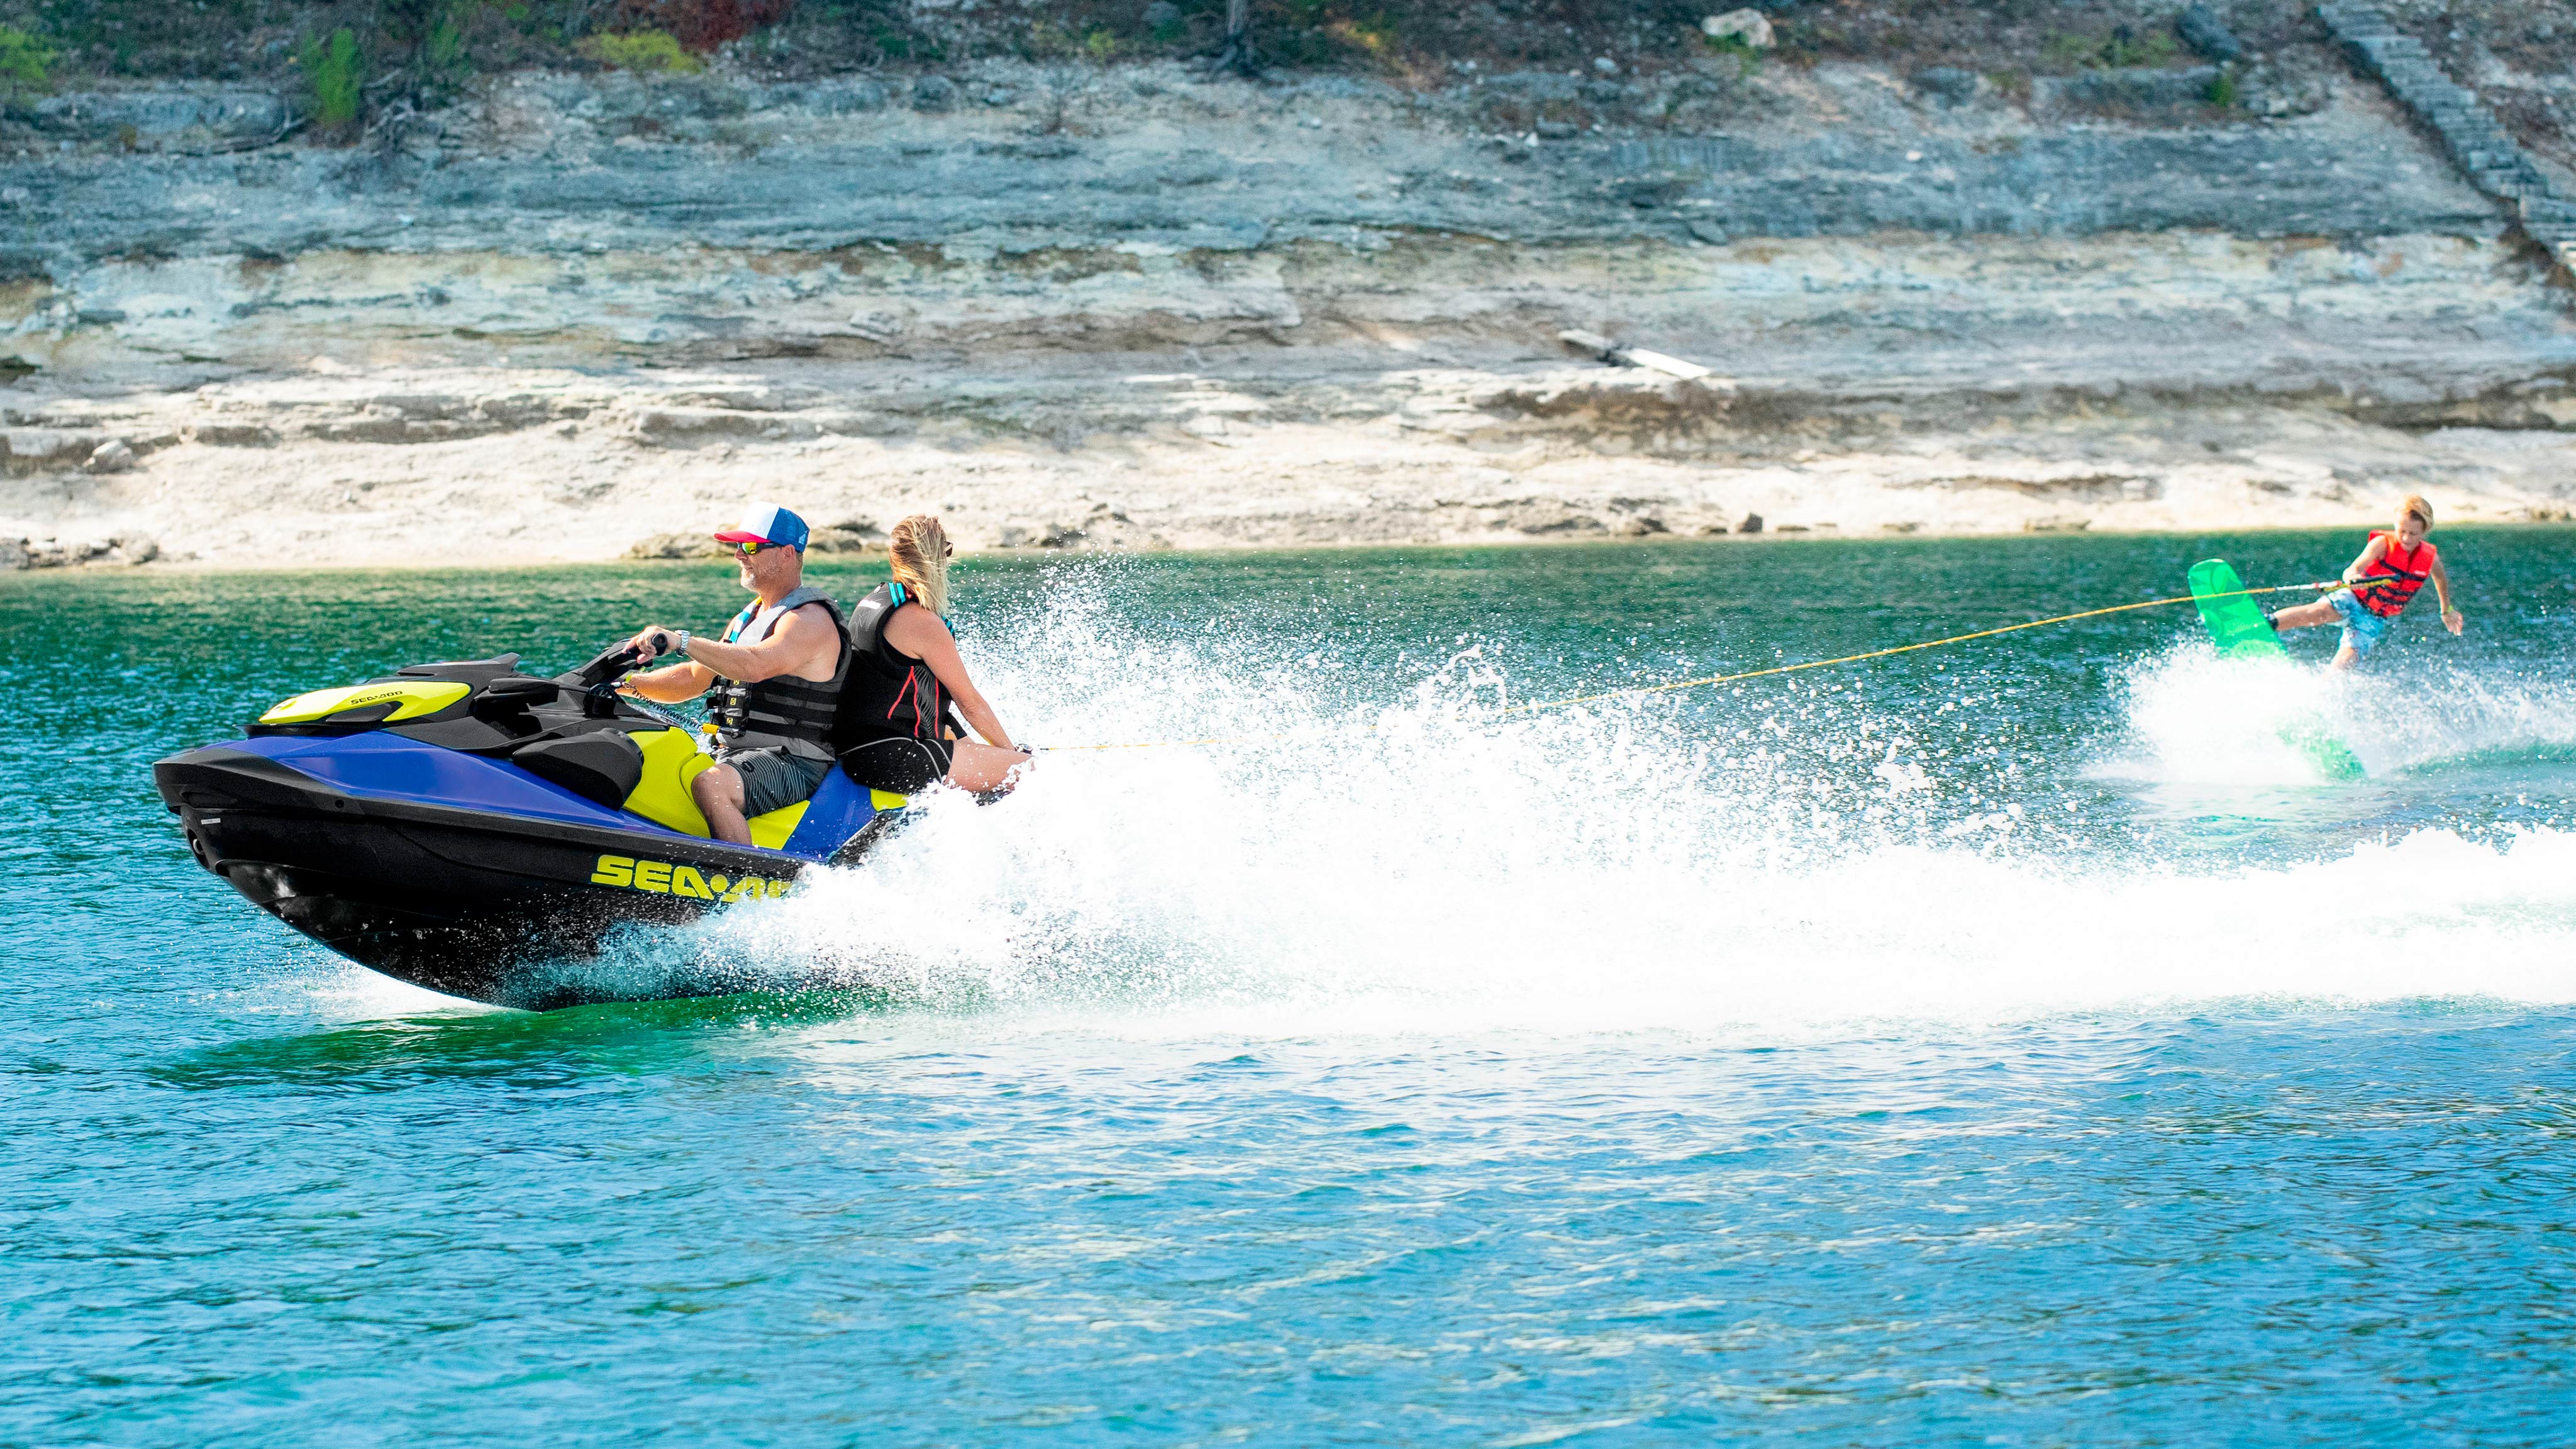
[(451, 824)]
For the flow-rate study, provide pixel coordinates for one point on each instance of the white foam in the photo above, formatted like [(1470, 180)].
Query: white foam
[(1433, 866), (2196, 718), (306, 981)]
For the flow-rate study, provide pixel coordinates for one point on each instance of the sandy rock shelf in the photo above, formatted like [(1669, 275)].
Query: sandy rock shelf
[(464, 467)]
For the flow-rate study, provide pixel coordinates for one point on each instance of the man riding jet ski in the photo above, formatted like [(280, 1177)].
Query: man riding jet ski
[(787, 685), (776, 673), (451, 824)]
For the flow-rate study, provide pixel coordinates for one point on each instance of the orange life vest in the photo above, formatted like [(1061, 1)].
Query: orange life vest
[(2410, 570)]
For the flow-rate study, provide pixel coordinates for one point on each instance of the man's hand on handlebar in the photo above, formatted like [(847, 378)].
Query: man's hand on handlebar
[(639, 653)]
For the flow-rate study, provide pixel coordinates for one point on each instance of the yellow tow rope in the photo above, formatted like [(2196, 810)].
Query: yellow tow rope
[(1646, 689)]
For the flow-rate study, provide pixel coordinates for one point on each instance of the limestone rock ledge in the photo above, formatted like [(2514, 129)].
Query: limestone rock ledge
[(576, 317)]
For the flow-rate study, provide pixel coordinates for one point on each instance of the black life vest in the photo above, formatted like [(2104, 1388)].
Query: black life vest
[(890, 694), (786, 712), (2409, 570)]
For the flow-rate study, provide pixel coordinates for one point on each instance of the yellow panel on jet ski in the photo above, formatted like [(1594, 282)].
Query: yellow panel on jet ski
[(411, 699), (770, 831), (671, 761)]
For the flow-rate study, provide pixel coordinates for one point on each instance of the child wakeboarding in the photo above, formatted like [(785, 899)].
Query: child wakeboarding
[(2392, 567)]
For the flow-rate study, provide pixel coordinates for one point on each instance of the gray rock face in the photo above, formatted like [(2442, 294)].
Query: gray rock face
[(165, 119), (611, 221), (626, 164), (934, 93), (1947, 85), (57, 553), (2202, 30), (31, 450), (2140, 89), (2064, 182)]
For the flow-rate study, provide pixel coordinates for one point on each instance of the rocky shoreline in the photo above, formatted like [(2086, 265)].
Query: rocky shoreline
[(574, 317)]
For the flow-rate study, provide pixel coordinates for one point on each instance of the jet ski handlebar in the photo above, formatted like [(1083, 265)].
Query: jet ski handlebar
[(597, 680), (612, 662)]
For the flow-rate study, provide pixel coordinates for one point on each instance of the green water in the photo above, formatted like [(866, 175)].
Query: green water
[(2014, 1043)]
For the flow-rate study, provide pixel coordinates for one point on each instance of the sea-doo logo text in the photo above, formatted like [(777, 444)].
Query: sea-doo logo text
[(663, 878)]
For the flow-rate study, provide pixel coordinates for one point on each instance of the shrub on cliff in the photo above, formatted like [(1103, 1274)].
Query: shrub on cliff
[(646, 52), (1053, 42), (25, 63), (2122, 49), (1736, 48), (432, 34), (331, 67)]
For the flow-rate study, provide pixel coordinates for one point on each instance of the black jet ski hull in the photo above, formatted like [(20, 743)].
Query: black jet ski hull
[(457, 900)]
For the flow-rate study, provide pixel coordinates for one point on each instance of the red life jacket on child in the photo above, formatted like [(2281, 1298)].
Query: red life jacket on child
[(2410, 570)]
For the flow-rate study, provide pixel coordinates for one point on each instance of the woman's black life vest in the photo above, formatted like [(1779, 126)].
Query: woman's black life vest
[(890, 694), (785, 712)]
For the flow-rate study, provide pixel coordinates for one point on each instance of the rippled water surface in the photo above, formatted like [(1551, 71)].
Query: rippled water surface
[(2024, 1042)]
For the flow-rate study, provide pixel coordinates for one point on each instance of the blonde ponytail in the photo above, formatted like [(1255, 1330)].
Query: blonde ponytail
[(921, 551)]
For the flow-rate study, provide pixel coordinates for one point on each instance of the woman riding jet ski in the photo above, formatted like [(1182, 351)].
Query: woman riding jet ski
[(452, 823)]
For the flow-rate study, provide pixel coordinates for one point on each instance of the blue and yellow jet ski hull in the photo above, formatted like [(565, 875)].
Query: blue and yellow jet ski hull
[(453, 839)]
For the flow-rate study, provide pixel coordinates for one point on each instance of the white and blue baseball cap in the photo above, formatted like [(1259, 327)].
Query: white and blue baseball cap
[(768, 523)]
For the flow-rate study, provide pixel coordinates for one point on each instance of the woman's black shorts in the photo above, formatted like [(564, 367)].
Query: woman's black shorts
[(901, 764)]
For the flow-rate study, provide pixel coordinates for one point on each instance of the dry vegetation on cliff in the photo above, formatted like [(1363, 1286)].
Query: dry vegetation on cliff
[(434, 41), (345, 61)]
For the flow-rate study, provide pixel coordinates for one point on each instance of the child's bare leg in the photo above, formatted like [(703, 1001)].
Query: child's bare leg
[(2306, 616)]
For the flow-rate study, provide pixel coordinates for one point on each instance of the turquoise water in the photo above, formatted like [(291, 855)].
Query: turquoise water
[(2015, 1043)]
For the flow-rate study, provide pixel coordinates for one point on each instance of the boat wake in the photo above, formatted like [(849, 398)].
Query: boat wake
[(1805, 862)]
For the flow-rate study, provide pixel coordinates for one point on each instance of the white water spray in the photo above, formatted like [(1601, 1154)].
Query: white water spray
[(2194, 717), (1428, 866)]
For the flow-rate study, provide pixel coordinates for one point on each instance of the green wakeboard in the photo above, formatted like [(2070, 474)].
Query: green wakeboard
[(2333, 758), (2237, 626)]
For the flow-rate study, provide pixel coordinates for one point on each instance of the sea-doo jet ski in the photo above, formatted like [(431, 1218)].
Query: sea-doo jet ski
[(450, 824)]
